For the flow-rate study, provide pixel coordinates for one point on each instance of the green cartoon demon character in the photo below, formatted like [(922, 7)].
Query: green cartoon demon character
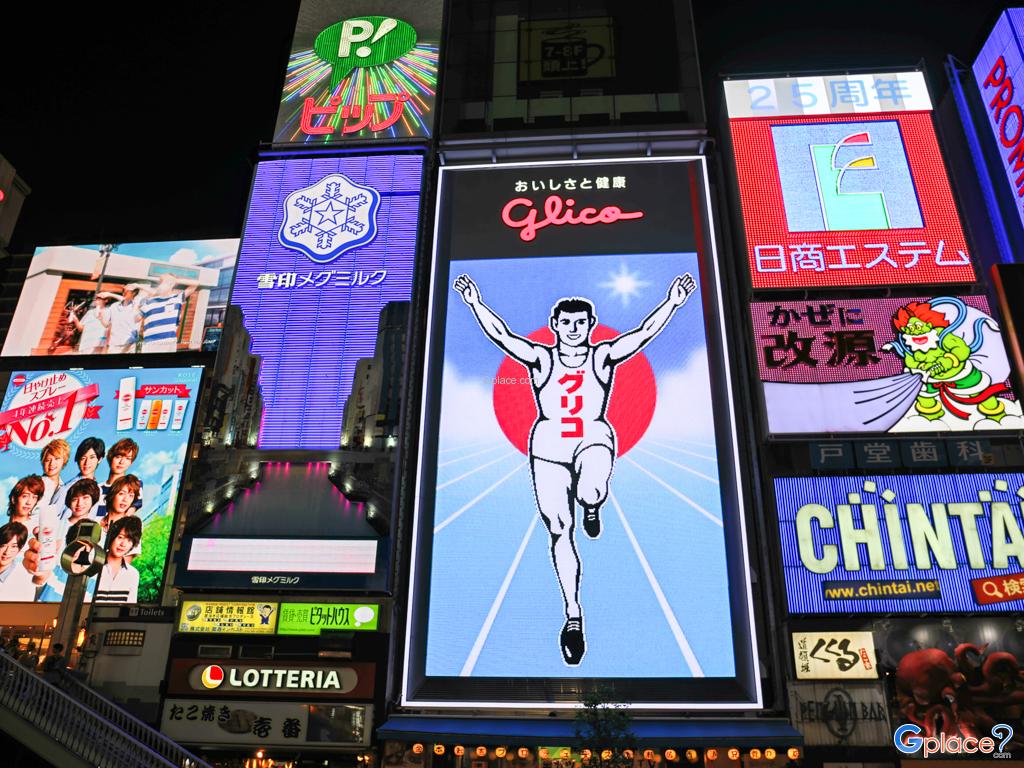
[(928, 346)]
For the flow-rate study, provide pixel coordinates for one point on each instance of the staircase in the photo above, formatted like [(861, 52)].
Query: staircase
[(72, 725)]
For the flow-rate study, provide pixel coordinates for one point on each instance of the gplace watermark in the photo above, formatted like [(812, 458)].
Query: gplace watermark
[(909, 741)]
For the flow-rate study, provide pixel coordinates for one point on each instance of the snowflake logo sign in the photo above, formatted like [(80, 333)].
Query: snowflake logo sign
[(329, 218)]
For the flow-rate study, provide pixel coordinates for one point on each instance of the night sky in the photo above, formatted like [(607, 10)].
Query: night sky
[(140, 122)]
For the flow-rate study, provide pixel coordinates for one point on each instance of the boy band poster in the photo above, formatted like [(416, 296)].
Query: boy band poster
[(104, 445)]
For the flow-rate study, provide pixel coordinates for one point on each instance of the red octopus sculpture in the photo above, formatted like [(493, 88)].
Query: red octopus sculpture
[(966, 694)]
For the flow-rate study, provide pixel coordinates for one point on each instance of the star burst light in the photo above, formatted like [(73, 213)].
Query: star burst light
[(624, 285)]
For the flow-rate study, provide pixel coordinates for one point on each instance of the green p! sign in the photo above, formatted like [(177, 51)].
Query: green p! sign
[(313, 618), (363, 41)]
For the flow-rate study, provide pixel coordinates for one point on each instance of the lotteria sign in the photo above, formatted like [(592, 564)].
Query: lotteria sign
[(902, 543), (214, 676), (196, 677)]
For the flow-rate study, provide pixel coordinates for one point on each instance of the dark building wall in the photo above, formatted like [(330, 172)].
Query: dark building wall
[(390, 350)]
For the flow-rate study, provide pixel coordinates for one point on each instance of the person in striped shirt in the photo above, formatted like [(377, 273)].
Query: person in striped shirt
[(161, 312), (118, 581)]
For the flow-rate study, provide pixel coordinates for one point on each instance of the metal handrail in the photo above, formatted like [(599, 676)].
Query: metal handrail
[(128, 723), (98, 737)]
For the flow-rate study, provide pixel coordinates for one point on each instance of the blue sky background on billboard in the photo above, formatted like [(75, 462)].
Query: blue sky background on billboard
[(902, 543), (311, 321), (660, 561), (63, 280)]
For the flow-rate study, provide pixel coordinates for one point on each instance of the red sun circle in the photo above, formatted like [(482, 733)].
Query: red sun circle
[(630, 409)]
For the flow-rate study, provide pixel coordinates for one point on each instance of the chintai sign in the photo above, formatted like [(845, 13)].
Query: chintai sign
[(902, 543)]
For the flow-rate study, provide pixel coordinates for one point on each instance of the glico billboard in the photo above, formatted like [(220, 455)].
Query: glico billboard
[(364, 70), (902, 543), (842, 182), (883, 365), (327, 243), (573, 447), (106, 445)]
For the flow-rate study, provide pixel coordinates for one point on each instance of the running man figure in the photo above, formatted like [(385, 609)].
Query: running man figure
[(572, 445)]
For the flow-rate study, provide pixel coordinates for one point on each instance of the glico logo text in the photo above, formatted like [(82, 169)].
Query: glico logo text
[(558, 212), (909, 741)]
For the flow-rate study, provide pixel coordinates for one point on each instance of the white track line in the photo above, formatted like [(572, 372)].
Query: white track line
[(672, 490), (681, 466), (464, 475), (440, 526), (670, 617), (698, 442), (469, 456), (460, 448), (682, 450), (485, 630)]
